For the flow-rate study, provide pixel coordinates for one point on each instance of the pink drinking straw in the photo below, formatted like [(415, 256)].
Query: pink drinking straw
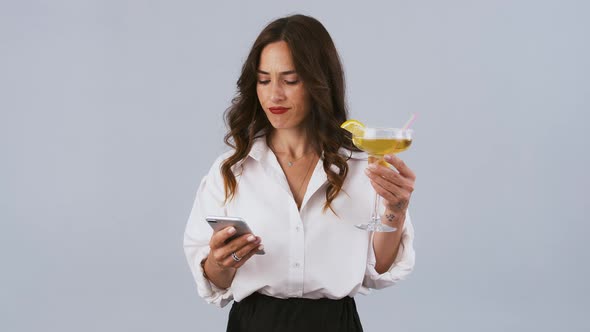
[(410, 121)]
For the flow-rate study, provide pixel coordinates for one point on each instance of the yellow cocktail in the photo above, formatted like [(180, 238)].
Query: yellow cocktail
[(382, 146)]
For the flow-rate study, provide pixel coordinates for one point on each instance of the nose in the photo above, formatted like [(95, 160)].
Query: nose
[(276, 92)]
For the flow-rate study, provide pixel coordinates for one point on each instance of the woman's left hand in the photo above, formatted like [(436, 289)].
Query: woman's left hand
[(394, 187)]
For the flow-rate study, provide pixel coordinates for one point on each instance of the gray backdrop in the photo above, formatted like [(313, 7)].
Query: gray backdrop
[(112, 113)]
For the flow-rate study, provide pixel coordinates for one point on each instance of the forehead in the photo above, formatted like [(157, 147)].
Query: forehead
[(276, 57)]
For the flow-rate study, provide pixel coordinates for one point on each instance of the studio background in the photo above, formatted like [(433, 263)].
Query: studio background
[(111, 113)]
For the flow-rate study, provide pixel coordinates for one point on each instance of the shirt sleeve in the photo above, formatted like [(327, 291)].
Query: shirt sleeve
[(401, 267), (209, 201)]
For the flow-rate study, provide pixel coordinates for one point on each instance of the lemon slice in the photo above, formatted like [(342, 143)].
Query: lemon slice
[(355, 127)]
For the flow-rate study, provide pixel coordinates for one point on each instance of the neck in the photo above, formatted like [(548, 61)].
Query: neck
[(292, 143)]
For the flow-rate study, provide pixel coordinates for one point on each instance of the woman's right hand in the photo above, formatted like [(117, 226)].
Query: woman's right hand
[(243, 247), (219, 266)]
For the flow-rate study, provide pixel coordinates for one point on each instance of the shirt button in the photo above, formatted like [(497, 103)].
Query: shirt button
[(297, 265), (298, 228)]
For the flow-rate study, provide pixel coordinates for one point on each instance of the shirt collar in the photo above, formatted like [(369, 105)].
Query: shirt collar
[(260, 150)]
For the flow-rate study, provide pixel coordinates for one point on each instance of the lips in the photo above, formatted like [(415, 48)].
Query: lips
[(278, 110)]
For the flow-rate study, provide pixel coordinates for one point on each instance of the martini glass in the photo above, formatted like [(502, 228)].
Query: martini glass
[(378, 142)]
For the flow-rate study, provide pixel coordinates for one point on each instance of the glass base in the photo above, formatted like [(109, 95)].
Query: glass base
[(376, 227)]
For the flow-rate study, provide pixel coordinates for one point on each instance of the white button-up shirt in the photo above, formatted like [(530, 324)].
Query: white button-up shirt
[(310, 253)]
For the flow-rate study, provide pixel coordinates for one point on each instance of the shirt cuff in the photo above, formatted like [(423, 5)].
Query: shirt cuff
[(401, 267), (207, 290)]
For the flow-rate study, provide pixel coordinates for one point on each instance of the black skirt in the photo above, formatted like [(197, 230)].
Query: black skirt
[(263, 313)]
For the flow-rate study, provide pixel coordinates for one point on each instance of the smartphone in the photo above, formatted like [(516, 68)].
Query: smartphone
[(220, 222)]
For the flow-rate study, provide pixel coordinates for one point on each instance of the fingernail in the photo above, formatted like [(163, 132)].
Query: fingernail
[(231, 230), (261, 247), (251, 238), (367, 172), (372, 167), (389, 157)]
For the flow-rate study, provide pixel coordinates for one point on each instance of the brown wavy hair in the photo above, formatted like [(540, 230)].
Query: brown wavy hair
[(318, 65)]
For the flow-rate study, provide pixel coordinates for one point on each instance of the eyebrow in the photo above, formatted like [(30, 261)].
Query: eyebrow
[(288, 72)]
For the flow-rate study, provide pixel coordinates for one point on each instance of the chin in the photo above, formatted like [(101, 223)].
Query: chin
[(278, 123)]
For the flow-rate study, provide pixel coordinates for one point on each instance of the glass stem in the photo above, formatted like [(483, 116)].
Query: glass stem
[(375, 217)]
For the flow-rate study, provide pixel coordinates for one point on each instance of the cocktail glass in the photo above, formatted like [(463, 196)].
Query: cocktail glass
[(378, 142)]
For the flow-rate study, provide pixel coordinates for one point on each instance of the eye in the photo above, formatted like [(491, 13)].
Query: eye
[(292, 82), (263, 82)]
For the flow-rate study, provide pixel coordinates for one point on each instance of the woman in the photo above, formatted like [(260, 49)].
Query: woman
[(300, 184)]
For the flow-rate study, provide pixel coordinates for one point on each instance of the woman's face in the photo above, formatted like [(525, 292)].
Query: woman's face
[(280, 89)]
